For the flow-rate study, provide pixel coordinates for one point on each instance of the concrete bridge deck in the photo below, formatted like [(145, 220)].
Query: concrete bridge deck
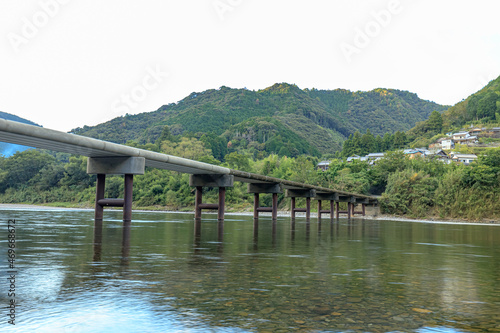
[(98, 150)]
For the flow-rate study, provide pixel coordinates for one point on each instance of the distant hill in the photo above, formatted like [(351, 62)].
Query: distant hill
[(8, 149), (283, 115), (482, 107)]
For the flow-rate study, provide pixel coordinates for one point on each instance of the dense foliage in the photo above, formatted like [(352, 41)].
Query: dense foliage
[(413, 187), (363, 144), (309, 121)]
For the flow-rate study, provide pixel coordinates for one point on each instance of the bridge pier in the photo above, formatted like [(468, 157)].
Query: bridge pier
[(301, 193), (327, 196), (363, 202), (351, 200), (210, 180), (126, 166), (257, 189)]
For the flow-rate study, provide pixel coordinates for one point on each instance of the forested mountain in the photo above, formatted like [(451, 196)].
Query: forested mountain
[(8, 149), (481, 108), (281, 117)]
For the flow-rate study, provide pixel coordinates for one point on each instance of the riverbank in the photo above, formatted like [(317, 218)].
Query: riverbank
[(380, 217)]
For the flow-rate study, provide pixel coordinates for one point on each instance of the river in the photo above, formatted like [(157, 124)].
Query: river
[(166, 273)]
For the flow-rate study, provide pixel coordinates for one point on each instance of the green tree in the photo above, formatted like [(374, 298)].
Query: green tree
[(190, 148), (487, 106), (20, 168), (367, 143), (409, 192), (75, 173), (435, 122), (238, 161), (399, 140)]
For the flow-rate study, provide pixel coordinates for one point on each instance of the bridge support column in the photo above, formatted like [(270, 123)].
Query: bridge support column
[(363, 202), (126, 166), (127, 198), (257, 189), (350, 204), (210, 180), (301, 193), (326, 196), (99, 195)]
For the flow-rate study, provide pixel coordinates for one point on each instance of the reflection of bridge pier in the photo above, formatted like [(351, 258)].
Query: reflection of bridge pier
[(126, 243), (255, 234), (98, 230), (97, 240), (197, 236)]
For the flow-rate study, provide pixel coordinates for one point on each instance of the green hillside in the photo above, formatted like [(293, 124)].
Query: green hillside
[(299, 121), (483, 106), (481, 109)]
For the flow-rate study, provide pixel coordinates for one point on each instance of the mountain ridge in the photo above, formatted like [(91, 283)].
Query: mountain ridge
[(320, 119)]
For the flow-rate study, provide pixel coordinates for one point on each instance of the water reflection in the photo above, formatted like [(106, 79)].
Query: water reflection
[(97, 240), (126, 243), (173, 273), (255, 234)]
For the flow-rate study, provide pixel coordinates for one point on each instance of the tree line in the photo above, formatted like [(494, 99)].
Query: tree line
[(416, 187)]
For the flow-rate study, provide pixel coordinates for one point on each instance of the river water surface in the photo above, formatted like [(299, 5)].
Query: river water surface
[(166, 273)]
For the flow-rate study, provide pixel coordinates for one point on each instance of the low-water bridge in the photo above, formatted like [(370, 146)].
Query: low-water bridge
[(107, 158)]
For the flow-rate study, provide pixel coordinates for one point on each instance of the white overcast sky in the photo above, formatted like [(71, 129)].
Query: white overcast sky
[(69, 63)]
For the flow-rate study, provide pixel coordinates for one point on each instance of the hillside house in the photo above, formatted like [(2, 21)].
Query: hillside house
[(447, 144), (468, 139), (464, 158), (459, 136), (413, 153), (324, 165), (373, 157), (441, 155), (475, 131)]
